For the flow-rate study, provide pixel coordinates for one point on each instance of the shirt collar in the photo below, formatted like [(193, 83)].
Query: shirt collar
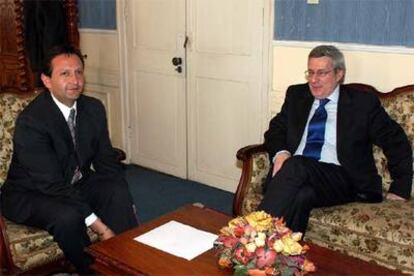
[(335, 95), (63, 108)]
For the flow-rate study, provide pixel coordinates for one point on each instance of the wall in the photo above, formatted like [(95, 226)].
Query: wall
[(382, 67), (102, 76), (373, 22)]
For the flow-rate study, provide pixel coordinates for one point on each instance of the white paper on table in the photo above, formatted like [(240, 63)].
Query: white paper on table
[(178, 239)]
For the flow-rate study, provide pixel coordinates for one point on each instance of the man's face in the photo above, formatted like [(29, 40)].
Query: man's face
[(67, 80), (322, 77)]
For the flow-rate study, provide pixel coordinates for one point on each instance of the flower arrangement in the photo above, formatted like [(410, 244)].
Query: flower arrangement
[(258, 244)]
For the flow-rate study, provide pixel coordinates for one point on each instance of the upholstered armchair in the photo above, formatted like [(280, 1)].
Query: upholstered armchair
[(381, 232), (25, 249)]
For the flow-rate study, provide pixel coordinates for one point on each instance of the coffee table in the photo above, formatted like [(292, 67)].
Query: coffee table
[(122, 255)]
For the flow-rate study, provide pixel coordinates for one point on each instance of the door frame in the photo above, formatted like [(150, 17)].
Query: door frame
[(267, 58)]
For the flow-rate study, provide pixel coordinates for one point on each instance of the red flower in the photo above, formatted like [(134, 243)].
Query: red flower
[(242, 255), (238, 231), (265, 257), (228, 241)]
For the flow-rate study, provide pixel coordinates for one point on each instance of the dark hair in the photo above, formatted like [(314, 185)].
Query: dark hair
[(56, 51)]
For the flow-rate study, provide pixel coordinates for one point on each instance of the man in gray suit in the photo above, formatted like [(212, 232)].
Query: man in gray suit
[(64, 176), (321, 145)]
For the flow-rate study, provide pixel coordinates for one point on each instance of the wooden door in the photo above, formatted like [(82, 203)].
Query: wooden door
[(226, 92), (155, 34), (190, 124)]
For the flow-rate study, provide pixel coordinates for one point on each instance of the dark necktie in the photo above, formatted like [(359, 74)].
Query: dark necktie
[(316, 132), (71, 124)]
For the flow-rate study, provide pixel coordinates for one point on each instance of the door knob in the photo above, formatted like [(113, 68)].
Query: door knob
[(177, 61), (179, 69)]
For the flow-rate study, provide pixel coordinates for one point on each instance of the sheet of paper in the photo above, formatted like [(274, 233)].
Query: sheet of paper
[(178, 239)]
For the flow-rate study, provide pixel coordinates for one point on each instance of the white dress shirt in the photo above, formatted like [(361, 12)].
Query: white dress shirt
[(89, 220), (328, 152)]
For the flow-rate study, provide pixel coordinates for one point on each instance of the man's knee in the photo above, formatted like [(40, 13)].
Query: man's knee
[(294, 169), (67, 218), (305, 196), (295, 163)]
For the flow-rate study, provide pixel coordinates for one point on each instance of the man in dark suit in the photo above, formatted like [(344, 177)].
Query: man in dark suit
[(321, 145), (64, 176)]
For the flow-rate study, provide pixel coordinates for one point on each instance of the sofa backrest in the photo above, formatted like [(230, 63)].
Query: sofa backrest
[(10, 107), (399, 104)]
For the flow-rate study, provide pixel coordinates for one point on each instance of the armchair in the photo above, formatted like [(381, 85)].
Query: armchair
[(24, 249), (380, 232)]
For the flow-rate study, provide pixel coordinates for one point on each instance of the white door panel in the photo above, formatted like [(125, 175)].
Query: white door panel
[(191, 124), (157, 105), (225, 87)]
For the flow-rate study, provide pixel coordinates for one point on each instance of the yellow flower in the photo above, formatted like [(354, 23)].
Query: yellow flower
[(260, 220), (297, 236), (278, 246), (290, 246), (236, 221), (229, 229), (251, 247)]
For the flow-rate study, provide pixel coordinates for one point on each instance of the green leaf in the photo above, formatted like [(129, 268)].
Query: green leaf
[(240, 270)]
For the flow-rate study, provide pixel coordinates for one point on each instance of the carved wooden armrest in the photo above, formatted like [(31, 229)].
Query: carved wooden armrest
[(245, 155)]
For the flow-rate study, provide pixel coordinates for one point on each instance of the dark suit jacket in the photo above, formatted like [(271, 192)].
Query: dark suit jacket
[(44, 158), (361, 122)]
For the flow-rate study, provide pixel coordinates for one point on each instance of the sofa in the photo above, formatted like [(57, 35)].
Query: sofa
[(382, 232)]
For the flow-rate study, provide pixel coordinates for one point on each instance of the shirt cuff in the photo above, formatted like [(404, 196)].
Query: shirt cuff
[(280, 152), (89, 220)]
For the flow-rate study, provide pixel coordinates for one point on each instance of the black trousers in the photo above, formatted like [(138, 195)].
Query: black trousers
[(303, 184), (64, 219)]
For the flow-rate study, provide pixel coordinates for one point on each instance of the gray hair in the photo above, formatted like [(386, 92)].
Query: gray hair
[(332, 52)]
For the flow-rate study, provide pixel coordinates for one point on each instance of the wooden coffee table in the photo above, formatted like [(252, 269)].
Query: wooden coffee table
[(122, 255)]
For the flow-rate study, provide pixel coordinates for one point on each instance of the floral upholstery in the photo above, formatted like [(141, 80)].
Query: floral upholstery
[(10, 107), (254, 193), (29, 247), (381, 232), (401, 108)]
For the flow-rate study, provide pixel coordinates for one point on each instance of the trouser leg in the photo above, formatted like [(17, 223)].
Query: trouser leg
[(112, 202), (67, 226), (301, 185)]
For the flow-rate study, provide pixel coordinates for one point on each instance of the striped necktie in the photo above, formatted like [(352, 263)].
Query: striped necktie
[(77, 175), (71, 124), (316, 132)]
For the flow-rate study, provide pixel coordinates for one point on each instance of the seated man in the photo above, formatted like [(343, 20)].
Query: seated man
[(321, 145), (51, 184)]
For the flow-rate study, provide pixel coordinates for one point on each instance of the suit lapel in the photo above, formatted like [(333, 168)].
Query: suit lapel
[(57, 119), (344, 114), (302, 109)]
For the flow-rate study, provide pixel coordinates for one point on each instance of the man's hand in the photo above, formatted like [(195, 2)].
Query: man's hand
[(278, 162), (392, 196), (103, 231)]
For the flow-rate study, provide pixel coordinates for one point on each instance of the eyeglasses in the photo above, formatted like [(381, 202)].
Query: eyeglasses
[(320, 73)]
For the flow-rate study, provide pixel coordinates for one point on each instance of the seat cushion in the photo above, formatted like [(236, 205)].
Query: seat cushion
[(382, 232), (31, 247)]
